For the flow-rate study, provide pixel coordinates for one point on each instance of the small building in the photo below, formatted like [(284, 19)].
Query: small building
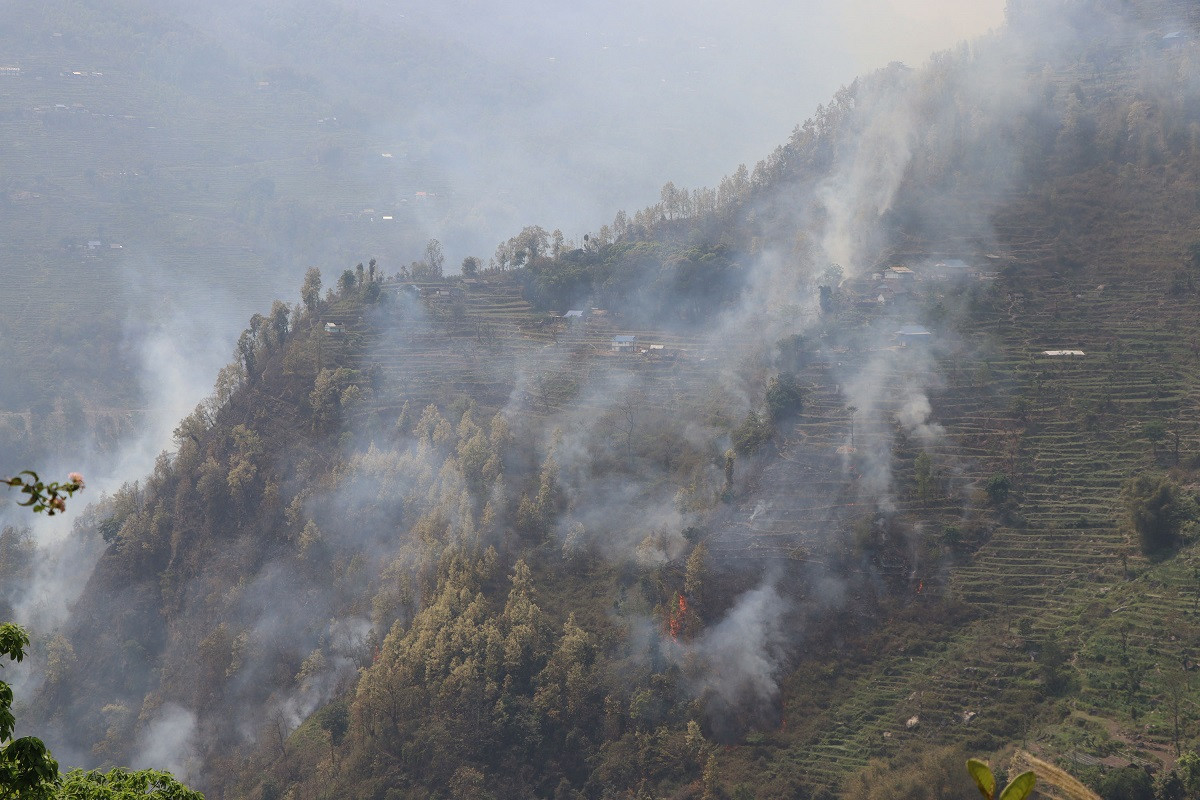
[(624, 344), (574, 315), (1059, 353), (954, 269), (93, 244), (334, 329), (901, 274), (913, 333)]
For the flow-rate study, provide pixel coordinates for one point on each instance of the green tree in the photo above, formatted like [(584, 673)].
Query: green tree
[(1188, 768), (327, 396), (27, 770), (280, 313), (469, 783), (335, 720), (695, 579), (470, 266), (997, 488), (346, 283), (752, 434), (528, 245), (434, 258), (827, 301), (310, 292), (709, 787), (785, 397), (1155, 510), (1127, 783)]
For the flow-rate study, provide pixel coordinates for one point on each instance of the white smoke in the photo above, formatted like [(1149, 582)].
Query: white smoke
[(168, 742), (741, 657)]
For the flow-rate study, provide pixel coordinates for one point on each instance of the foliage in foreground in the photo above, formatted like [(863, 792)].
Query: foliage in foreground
[(27, 769), (1017, 789), (41, 496), (29, 772), (122, 784)]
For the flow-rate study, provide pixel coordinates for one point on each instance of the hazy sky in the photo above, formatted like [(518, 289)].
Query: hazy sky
[(880, 31), (592, 106), (705, 84)]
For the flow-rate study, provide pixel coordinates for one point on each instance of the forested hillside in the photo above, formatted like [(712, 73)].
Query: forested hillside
[(879, 454)]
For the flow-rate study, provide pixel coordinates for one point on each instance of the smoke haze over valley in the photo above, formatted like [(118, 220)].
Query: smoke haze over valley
[(156, 162)]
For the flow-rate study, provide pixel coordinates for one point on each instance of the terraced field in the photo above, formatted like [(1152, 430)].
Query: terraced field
[(1062, 567)]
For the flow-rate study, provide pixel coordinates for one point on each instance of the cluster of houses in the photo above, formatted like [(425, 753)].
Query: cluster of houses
[(628, 345), (620, 344), (899, 279)]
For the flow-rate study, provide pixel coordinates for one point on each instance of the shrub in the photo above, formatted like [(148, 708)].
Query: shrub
[(1155, 510), (997, 488), (785, 397), (752, 434), (1127, 783)]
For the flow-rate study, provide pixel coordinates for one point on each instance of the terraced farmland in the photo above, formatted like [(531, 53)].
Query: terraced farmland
[(1061, 566)]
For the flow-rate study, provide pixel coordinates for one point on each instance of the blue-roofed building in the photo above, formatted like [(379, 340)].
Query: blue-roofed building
[(624, 344)]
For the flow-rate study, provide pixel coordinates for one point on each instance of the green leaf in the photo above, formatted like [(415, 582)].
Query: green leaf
[(1019, 787), (984, 779)]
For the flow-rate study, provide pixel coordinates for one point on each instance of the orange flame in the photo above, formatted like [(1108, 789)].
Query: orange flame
[(920, 586), (675, 619)]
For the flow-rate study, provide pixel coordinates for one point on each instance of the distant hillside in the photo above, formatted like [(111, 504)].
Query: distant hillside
[(171, 167)]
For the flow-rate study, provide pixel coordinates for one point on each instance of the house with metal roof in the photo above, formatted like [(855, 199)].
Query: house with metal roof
[(624, 344), (913, 333)]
